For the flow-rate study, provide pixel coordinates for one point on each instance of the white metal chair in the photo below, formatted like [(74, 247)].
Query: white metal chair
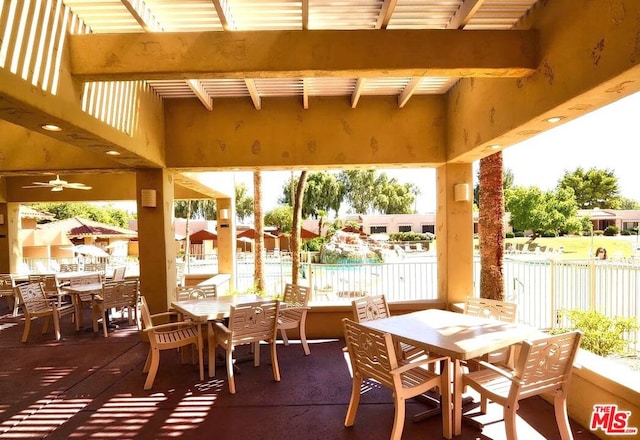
[(293, 313), (196, 292), (35, 304), (166, 337), (373, 356), (249, 323), (543, 367)]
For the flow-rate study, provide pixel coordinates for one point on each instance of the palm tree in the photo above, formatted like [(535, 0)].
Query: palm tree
[(295, 232), (258, 220), (490, 229)]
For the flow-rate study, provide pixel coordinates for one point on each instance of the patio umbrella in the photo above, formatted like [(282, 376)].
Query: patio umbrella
[(90, 250)]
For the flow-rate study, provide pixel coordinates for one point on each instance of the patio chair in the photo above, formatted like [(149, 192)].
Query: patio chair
[(196, 292), (373, 356), (68, 267), (543, 367), (121, 295), (166, 337), (369, 308), (7, 284), (249, 323), (35, 304), (118, 273), (51, 286), (498, 310), (293, 313), (94, 267)]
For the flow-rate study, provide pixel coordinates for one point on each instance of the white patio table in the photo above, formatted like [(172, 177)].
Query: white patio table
[(208, 310), (461, 337)]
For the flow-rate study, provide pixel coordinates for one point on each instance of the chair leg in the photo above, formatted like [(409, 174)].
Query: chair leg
[(27, 326), (285, 340), (153, 368), (303, 339), (147, 363), (562, 418), (274, 361), (354, 401), (45, 324), (398, 418), (229, 362), (56, 325), (509, 414), (256, 354)]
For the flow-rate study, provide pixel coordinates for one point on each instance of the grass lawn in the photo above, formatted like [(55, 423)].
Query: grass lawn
[(576, 247)]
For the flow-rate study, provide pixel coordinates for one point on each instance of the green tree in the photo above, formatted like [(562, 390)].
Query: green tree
[(359, 189), (626, 203), (593, 188), (244, 202), (323, 192), (393, 197), (538, 211), (195, 209), (104, 214), (280, 217)]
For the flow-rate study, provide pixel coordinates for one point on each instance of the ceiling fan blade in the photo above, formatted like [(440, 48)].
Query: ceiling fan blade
[(76, 186), (38, 185)]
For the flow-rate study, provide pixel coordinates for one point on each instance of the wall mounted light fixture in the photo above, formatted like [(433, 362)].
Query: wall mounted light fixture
[(461, 192), (148, 198), (224, 214)]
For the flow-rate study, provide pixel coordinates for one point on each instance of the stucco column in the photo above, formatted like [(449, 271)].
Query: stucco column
[(454, 234), (227, 239), (156, 238)]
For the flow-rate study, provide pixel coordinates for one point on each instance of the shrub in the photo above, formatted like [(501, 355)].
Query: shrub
[(611, 230), (626, 232), (602, 335), (519, 234), (510, 235), (548, 233)]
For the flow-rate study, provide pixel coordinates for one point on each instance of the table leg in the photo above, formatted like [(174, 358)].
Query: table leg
[(210, 349), (200, 360), (457, 397)]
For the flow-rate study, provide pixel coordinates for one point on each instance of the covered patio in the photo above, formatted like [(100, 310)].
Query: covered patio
[(88, 386)]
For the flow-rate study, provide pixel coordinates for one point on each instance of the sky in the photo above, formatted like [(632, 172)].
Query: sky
[(607, 138)]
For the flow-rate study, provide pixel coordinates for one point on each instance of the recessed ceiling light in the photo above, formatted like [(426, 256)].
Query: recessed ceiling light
[(555, 119), (51, 127), (113, 153), (493, 147)]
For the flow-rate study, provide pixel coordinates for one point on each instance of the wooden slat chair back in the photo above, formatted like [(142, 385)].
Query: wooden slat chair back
[(119, 273), (543, 366), (165, 337), (249, 323), (293, 313), (68, 267), (7, 285), (35, 304), (115, 295), (500, 311), (369, 308), (196, 292), (490, 308), (95, 267), (373, 356), (96, 279)]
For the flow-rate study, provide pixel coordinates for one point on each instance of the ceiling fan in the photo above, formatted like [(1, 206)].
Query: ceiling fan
[(58, 185)]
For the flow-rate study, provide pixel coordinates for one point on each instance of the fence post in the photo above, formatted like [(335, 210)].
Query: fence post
[(592, 283)]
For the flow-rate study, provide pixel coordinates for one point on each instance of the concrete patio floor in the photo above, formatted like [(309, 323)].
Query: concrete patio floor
[(87, 386)]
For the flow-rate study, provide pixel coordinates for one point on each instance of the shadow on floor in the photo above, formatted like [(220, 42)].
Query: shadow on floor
[(87, 386)]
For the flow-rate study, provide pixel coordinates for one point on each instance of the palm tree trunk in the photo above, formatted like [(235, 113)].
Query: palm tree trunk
[(296, 224), (490, 228), (258, 220)]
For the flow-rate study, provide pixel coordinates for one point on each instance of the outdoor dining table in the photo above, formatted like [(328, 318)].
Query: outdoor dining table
[(456, 335), (76, 293), (209, 310)]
